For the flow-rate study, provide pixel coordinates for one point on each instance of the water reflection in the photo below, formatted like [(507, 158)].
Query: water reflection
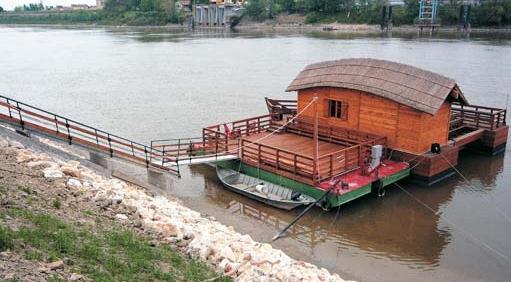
[(396, 227), (482, 168), (181, 34)]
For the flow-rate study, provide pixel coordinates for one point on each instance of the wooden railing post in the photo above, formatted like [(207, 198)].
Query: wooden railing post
[(68, 132), (278, 159), (294, 163), (9, 107), (146, 158), (216, 142), (259, 154), (110, 145), (56, 124), (21, 118), (331, 166)]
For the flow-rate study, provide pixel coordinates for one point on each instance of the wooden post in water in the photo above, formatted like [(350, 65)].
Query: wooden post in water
[(315, 141)]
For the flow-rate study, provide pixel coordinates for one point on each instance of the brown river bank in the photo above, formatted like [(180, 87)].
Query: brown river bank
[(84, 195)]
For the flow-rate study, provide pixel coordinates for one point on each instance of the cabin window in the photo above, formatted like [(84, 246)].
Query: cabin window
[(337, 109)]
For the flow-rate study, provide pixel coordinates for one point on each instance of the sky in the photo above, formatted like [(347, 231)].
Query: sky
[(10, 4)]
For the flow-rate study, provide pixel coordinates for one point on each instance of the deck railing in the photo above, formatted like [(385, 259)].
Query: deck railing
[(29, 117), (228, 138), (352, 156), (224, 136), (270, 157), (476, 117), (335, 134), (301, 166), (216, 140)]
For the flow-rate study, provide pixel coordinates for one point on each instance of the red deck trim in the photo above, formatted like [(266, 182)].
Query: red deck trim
[(356, 180)]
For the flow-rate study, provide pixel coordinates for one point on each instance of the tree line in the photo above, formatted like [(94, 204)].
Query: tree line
[(487, 13), (158, 12), (31, 7), (115, 12)]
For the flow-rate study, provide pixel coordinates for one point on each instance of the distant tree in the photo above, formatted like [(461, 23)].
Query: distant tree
[(1, 9), (257, 9), (31, 7)]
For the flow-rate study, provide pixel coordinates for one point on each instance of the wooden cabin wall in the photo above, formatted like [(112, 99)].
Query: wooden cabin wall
[(435, 129), (406, 129), (352, 97)]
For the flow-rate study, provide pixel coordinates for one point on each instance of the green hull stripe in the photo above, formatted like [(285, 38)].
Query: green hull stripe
[(333, 201)]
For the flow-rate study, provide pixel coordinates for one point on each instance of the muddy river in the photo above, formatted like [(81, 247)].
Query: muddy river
[(153, 85)]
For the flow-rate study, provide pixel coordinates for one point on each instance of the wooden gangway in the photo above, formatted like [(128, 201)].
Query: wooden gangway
[(27, 117)]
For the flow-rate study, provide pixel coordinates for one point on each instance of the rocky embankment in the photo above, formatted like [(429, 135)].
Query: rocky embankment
[(165, 220)]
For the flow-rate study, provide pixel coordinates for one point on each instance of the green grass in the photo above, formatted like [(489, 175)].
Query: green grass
[(56, 203), (109, 255)]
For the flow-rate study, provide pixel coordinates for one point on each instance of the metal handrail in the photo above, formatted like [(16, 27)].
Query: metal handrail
[(49, 123)]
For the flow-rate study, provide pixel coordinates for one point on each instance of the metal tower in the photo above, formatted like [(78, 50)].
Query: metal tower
[(428, 11)]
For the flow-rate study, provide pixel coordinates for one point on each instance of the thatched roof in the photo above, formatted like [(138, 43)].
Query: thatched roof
[(417, 88)]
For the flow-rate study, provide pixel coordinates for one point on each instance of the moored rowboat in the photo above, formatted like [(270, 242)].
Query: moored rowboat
[(269, 193)]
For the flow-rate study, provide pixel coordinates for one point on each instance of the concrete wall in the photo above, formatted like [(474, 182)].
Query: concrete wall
[(212, 14)]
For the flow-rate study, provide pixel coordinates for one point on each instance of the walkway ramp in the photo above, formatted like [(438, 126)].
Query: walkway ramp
[(196, 150), (203, 160), (27, 117)]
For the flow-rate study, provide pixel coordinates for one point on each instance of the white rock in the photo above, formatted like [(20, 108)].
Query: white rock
[(71, 171), (73, 163), (230, 252), (74, 183), (23, 156), (75, 277), (16, 144), (121, 216), (118, 197), (4, 143), (52, 172), (40, 163)]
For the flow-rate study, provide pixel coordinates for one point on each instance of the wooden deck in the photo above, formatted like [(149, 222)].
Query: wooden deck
[(291, 155), (293, 143)]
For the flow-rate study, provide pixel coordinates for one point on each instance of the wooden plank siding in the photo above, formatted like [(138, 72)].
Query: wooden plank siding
[(406, 128)]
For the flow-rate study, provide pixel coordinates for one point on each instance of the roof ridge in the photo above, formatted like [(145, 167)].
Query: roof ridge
[(377, 78), (309, 67), (417, 88)]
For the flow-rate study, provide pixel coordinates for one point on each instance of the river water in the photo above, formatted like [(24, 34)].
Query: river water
[(152, 85)]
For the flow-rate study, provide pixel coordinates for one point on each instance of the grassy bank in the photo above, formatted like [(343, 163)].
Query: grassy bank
[(112, 255), (51, 232), (134, 18)]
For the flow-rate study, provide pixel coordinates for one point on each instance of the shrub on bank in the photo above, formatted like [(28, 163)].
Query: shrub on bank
[(488, 13)]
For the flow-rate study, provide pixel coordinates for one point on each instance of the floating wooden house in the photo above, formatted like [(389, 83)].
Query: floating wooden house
[(357, 126), (413, 108), (343, 110)]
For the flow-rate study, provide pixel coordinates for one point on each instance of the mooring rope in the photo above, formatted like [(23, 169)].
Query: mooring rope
[(447, 220), (484, 196)]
